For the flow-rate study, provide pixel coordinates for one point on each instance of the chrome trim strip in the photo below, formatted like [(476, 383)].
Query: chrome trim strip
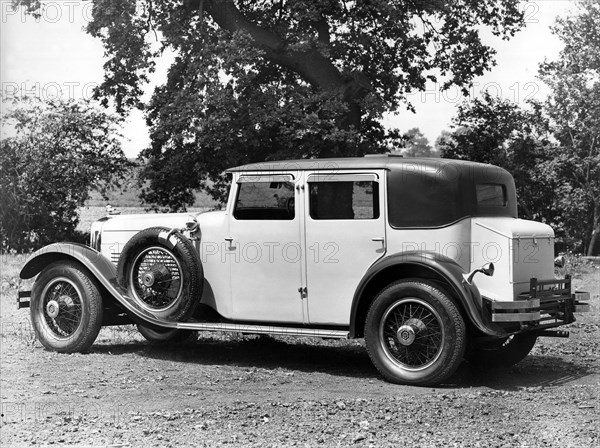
[(516, 305), (263, 329), (582, 308), (582, 295), (516, 317)]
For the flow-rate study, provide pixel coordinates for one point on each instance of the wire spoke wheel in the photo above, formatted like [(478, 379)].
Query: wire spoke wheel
[(162, 273), (411, 333), (66, 307), (61, 307), (415, 333), (156, 278)]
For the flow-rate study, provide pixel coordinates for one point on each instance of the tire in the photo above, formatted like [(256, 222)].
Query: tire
[(166, 336), (415, 333), (502, 352), (163, 276), (66, 307)]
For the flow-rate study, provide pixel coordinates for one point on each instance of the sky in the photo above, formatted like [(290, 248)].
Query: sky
[(53, 57)]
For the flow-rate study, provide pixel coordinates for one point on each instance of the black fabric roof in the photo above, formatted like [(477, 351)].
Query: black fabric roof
[(426, 165)]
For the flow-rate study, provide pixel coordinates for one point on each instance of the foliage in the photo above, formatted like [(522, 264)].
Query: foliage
[(497, 131), (552, 149), (574, 112), (417, 145), (273, 79), (58, 152)]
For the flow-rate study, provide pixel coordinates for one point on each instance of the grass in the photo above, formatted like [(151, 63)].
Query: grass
[(10, 266), (126, 200), (128, 196)]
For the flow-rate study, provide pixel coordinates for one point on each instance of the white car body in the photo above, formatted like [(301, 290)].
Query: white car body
[(258, 270), (421, 257)]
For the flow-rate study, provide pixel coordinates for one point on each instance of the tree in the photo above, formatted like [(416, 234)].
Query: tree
[(574, 111), (417, 145), (58, 152), (275, 79), (497, 131)]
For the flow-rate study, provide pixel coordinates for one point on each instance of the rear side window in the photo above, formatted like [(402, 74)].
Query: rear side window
[(491, 195), (419, 201), (344, 199), (265, 201)]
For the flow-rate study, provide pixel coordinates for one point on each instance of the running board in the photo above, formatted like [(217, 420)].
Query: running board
[(263, 329)]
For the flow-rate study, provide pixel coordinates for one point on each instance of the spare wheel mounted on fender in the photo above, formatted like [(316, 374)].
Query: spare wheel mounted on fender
[(161, 271)]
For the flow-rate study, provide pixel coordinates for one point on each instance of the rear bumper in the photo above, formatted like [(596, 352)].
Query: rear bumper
[(548, 304)]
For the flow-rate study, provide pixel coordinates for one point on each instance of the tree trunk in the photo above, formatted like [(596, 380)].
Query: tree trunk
[(595, 231), (310, 65)]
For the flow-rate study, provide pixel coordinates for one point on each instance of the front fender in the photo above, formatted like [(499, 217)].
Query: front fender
[(100, 267), (97, 263), (438, 266)]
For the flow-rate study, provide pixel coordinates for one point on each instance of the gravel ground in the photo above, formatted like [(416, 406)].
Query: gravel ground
[(230, 390)]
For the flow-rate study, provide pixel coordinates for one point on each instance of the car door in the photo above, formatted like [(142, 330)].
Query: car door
[(263, 249), (345, 235)]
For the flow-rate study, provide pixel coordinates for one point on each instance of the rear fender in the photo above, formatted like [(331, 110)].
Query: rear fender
[(100, 267), (429, 265)]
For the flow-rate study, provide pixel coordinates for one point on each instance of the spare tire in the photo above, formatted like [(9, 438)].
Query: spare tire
[(503, 352), (161, 271)]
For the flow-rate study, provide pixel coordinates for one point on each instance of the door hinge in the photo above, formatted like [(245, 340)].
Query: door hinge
[(303, 292)]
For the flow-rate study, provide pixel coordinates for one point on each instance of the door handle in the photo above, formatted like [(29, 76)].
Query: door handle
[(379, 239), (229, 239)]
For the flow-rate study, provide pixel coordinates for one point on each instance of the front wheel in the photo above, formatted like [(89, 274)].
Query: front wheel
[(66, 307), (414, 333)]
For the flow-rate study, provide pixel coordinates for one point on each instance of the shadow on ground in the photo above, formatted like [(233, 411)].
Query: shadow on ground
[(351, 360), (533, 371), (260, 352)]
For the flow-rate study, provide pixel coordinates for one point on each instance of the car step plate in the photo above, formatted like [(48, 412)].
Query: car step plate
[(263, 329)]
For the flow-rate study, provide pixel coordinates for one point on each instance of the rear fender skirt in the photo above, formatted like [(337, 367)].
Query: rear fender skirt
[(445, 267), (100, 268)]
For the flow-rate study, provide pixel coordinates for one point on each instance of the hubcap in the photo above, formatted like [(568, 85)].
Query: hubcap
[(61, 307), (156, 278), (406, 334), (52, 308), (148, 279)]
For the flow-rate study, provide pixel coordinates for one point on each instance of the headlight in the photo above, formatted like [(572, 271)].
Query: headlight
[(96, 233)]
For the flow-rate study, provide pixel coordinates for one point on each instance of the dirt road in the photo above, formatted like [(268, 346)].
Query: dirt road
[(256, 391)]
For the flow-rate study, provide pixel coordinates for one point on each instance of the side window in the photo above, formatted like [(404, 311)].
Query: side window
[(352, 199), (265, 201), (491, 195)]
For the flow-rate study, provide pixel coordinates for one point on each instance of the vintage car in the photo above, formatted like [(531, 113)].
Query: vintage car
[(425, 259)]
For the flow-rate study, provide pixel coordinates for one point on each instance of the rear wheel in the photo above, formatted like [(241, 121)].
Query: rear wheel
[(503, 352), (166, 335), (414, 333), (66, 307)]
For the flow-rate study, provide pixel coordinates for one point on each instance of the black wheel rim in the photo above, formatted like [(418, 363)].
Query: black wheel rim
[(411, 334), (156, 278), (61, 307)]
